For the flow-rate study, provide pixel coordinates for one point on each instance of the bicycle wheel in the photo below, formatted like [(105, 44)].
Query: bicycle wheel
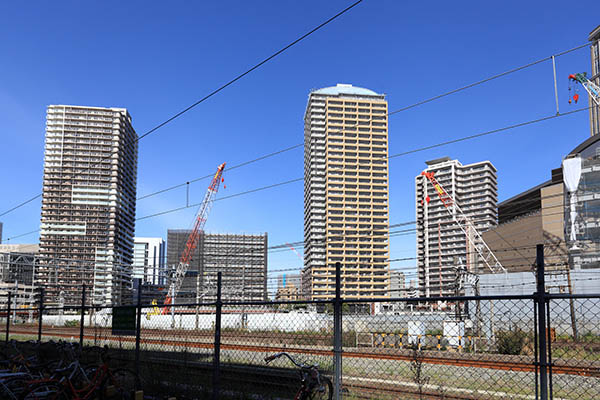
[(13, 387), (46, 391), (323, 392)]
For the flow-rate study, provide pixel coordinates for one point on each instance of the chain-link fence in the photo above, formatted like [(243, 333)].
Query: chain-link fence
[(481, 347)]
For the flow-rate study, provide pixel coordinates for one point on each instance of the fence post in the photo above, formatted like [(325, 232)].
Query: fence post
[(337, 333), (217, 348), (8, 316), (82, 317), (40, 313), (542, 344), (138, 329)]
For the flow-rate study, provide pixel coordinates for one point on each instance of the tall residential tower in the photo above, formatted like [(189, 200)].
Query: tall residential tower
[(346, 193), (441, 244), (88, 204)]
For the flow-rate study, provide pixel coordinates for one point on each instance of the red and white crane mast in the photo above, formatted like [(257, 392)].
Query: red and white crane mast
[(192, 242)]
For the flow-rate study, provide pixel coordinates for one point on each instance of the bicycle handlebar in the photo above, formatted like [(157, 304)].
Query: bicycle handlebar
[(277, 355)]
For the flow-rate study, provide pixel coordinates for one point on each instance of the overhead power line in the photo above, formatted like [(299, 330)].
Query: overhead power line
[(222, 198), (526, 201), (470, 137), (226, 169), (301, 144), (491, 78), (221, 88), (478, 135), (471, 85)]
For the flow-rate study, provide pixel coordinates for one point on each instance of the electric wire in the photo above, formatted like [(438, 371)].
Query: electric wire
[(397, 155), (220, 88), (391, 113), (486, 133), (397, 111), (491, 78)]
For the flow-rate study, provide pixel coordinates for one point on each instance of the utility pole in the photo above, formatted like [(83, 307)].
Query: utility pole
[(572, 305), (16, 300), (457, 283), (173, 303), (541, 311)]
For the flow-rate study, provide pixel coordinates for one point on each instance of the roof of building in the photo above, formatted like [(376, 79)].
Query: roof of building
[(530, 199), (342, 88), (519, 197), (438, 160), (587, 143), (595, 34)]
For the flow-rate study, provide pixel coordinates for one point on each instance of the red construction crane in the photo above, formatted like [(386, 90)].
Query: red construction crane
[(192, 242), (466, 225)]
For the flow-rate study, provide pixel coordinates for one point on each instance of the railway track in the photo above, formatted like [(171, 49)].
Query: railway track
[(485, 361)]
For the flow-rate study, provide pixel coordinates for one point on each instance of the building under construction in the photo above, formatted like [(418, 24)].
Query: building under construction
[(17, 263), (88, 205), (17, 269), (242, 259)]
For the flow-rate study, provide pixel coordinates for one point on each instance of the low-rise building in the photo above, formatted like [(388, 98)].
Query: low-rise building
[(149, 263), (288, 293)]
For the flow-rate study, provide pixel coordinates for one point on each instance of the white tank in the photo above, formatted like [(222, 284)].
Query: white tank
[(454, 332), (416, 329)]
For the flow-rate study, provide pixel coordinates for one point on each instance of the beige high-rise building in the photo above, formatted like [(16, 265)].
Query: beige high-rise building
[(346, 193), (595, 77), (88, 205)]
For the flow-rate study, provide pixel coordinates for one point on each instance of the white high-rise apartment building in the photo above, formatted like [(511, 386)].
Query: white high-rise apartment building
[(149, 263), (88, 204), (441, 244), (346, 193)]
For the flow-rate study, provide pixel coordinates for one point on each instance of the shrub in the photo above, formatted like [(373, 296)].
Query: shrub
[(511, 342), (71, 323)]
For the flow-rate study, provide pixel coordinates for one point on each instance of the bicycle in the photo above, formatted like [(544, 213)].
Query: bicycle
[(104, 383), (314, 386)]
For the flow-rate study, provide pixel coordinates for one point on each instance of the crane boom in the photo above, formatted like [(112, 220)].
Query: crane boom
[(589, 86), (465, 224), (192, 241)]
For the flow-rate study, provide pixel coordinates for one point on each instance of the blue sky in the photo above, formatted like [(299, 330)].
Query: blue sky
[(156, 58)]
